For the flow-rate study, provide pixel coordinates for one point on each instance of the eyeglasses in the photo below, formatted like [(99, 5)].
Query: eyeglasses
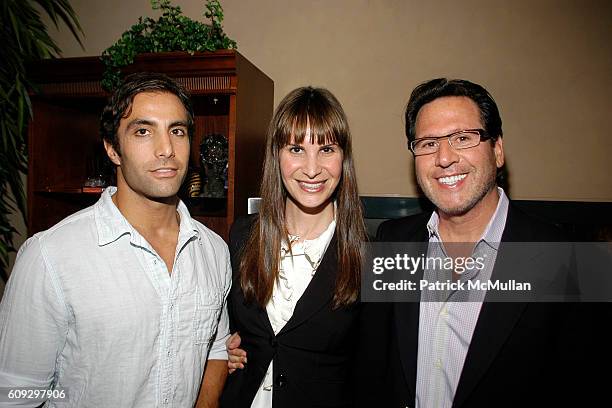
[(463, 139)]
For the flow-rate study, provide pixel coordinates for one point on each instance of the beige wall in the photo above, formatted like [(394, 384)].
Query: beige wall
[(547, 63)]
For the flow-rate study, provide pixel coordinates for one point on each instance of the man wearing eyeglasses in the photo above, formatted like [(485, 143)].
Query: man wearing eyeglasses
[(445, 351)]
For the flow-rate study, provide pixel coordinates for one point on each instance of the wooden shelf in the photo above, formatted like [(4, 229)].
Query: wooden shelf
[(207, 206), (77, 190), (230, 96)]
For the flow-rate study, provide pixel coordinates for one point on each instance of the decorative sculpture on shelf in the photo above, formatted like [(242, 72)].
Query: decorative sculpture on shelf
[(194, 184), (98, 171), (213, 157)]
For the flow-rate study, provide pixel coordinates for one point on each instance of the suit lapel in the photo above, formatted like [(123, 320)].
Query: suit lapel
[(262, 315), (259, 314), (496, 320), (495, 323), (319, 291), (406, 322)]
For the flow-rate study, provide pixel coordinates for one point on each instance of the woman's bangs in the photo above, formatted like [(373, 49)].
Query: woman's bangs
[(321, 132), (323, 123)]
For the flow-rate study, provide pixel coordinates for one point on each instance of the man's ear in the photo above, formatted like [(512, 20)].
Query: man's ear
[(498, 149), (112, 153)]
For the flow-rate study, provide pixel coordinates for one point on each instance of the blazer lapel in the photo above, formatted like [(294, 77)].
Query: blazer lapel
[(262, 315), (319, 291), (406, 322), (406, 325), (496, 320), (495, 323), (254, 311)]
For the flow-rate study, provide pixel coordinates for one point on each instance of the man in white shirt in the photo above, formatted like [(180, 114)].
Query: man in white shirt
[(123, 303)]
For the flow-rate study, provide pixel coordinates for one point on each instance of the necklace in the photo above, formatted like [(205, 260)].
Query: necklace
[(314, 264), (312, 251)]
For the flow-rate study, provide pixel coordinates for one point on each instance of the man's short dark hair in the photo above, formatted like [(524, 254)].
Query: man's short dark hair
[(120, 103), (440, 87)]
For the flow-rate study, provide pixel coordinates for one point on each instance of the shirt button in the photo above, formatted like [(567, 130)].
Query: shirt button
[(438, 363), (273, 341), (281, 380)]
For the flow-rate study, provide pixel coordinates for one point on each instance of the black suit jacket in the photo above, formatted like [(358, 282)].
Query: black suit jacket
[(311, 355), (521, 354)]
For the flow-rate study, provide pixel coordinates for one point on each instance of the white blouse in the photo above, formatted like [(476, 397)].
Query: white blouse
[(295, 275)]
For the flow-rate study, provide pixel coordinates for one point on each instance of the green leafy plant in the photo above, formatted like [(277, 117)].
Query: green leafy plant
[(172, 31), (24, 39)]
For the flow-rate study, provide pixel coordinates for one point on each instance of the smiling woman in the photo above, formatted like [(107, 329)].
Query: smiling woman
[(311, 172), (297, 264)]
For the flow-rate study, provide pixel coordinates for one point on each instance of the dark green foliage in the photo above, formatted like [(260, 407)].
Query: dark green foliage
[(24, 38), (171, 32)]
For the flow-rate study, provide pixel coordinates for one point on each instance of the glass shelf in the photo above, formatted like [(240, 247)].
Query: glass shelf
[(70, 190)]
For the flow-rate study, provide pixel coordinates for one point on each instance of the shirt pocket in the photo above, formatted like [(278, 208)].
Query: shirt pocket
[(206, 316)]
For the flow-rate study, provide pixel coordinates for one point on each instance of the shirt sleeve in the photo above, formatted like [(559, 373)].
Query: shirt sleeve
[(218, 350), (33, 322)]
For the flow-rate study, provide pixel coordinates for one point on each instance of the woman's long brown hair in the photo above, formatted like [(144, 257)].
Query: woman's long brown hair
[(318, 109)]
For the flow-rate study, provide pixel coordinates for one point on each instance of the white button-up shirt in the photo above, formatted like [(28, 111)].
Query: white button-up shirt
[(91, 308), (296, 271)]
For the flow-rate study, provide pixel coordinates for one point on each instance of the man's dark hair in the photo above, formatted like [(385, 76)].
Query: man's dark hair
[(440, 87), (120, 103)]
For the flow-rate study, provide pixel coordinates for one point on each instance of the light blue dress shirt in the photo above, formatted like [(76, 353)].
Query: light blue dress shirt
[(446, 325), (91, 308)]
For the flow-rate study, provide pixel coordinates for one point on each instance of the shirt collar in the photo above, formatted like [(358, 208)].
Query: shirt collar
[(494, 229), (187, 227), (314, 248), (111, 224)]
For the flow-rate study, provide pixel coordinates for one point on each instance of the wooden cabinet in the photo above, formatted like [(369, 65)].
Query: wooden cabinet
[(230, 97)]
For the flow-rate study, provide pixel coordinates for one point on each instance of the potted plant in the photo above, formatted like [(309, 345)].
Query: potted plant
[(172, 31), (24, 40)]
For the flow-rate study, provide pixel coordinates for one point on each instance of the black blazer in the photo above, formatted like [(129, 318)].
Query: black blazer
[(311, 355), (521, 354)]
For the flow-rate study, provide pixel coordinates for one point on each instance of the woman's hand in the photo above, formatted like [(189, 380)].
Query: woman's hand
[(237, 356)]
